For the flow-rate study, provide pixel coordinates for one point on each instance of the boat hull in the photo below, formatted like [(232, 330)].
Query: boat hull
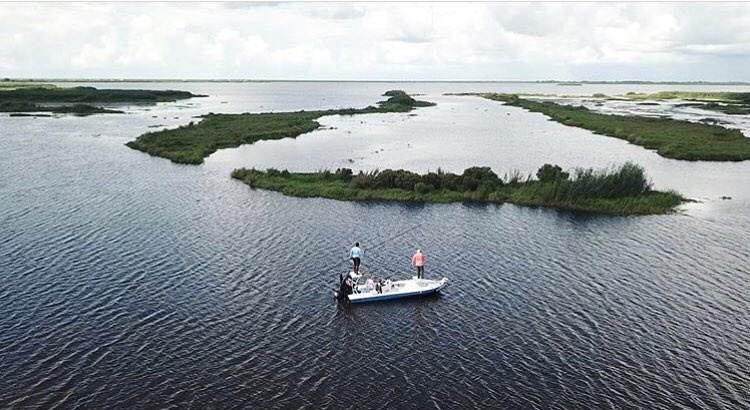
[(429, 289)]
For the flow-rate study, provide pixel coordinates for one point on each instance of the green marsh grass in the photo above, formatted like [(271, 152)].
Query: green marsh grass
[(624, 190), (670, 138), (190, 144)]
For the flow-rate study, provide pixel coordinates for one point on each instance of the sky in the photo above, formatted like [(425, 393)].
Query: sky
[(377, 41)]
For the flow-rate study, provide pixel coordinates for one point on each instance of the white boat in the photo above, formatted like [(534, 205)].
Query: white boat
[(372, 291)]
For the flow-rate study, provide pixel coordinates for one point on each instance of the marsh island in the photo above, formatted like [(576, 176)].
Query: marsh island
[(670, 138), (191, 143), (79, 100), (621, 191)]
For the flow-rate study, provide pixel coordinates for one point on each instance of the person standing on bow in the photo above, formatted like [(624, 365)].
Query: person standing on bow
[(355, 254), (418, 261)]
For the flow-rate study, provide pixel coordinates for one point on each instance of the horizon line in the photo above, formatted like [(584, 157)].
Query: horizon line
[(155, 79)]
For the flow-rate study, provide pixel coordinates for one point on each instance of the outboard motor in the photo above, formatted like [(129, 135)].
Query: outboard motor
[(345, 288)]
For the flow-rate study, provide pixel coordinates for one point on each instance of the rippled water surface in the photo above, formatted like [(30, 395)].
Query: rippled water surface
[(129, 281)]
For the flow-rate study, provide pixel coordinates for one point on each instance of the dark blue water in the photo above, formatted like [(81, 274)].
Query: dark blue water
[(129, 281)]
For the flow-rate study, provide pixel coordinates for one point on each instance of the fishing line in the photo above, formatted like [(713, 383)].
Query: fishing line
[(381, 243)]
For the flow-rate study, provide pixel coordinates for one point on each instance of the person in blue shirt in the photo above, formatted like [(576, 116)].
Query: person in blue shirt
[(356, 256)]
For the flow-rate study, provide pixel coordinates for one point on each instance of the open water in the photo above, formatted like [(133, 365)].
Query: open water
[(130, 281)]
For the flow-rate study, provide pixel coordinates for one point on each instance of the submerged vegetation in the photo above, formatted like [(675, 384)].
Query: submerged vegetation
[(733, 103), (621, 191), (670, 138), (78, 100), (731, 109), (191, 143), (725, 96)]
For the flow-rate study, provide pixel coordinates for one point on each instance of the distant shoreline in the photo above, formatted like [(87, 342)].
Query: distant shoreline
[(239, 80), (670, 138)]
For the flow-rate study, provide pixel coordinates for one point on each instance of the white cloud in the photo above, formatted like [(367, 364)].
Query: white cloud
[(376, 40), (338, 11), (97, 54)]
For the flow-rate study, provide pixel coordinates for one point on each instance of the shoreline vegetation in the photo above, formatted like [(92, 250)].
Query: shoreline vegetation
[(8, 84), (726, 102), (191, 143), (670, 138), (617, 191), (78, 100), (732, 103), (24, 109)]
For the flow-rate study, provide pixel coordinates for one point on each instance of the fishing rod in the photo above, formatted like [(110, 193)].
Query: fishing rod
[(381, 243), (398, 235)]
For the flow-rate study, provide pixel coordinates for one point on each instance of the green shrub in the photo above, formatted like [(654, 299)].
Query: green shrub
[(450, 181), (627, 181), (474, 177), (422, 188), (549, 172), (402, 99), (394, 93), (397, 179), (362, 181), (432, 178), (273, 172), (344, 174)]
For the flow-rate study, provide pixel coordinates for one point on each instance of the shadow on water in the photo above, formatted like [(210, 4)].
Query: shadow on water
[(409, 206), (351, 310)]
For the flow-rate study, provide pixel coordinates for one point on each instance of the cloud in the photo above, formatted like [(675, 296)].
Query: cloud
[(97, 54), (337, 11), (7, 64), (376, 40), (233, 5), (716, 49)]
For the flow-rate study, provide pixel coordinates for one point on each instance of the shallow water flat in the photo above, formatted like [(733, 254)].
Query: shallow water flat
[(129, 281)]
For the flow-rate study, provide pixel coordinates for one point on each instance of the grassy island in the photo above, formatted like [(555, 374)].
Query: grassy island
[(79, 100), (77, 109), (91, 95), (621, 191), (191, 143), (670, 138)]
